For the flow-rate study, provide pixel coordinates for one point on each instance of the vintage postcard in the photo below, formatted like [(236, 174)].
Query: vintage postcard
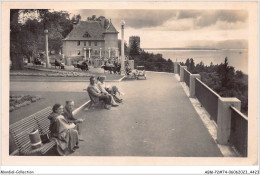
[(129, 83)]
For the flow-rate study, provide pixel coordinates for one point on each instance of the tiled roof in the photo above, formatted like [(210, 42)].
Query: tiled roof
[(94, 29), (111, 29)]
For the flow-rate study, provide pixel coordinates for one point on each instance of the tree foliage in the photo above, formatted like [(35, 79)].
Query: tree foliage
[(134, 49), (28, 38), (153, 62), (224, 80)]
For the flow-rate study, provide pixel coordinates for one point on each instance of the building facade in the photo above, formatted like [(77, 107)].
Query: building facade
[(92, 40)]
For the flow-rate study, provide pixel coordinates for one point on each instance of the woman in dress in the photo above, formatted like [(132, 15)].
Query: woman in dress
[(63, 131), (112, 90)]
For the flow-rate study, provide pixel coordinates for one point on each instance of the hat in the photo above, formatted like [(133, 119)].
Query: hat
[(35, 138)]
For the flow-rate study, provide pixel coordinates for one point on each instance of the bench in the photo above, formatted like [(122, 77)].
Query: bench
[(57, 64), (92, 103), (21, 129)]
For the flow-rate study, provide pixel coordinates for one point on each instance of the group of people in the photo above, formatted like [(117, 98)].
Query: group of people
[(65, 128), (99, 91)]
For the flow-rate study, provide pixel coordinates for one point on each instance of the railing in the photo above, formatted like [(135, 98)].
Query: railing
[(236, 133), (239, 131), (187, 77), (208, 98)]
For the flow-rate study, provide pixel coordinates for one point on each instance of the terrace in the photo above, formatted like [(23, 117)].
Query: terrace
[(158, 118)]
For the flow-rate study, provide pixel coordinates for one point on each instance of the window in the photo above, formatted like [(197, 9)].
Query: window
[(96, 52), (89, 43), (84, 43), (78, 52), (86, 35), (95, 43), (78, 43)]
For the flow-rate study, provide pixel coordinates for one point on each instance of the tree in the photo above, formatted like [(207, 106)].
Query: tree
[(192, 65), (76, 18), (226, 73), (27, 37), (134, 49), (15, 42), (30, 37)]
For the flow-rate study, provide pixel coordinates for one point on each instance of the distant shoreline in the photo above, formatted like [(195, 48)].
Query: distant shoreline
[(188, 49)]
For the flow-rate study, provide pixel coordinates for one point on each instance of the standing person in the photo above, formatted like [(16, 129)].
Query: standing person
[(67, 113), (95, 94), (62, 131)]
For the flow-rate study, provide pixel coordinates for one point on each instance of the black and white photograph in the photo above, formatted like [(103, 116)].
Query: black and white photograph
[(130, 80)]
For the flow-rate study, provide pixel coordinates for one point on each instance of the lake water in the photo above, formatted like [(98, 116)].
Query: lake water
[(236, 58)]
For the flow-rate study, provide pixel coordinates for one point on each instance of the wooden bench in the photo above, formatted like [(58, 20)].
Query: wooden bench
[(57, 64), (92, 103), (21, 129)]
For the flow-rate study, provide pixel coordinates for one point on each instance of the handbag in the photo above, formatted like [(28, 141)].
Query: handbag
[(45, 138)]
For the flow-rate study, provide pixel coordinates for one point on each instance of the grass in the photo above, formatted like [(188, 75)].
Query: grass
[(16, 77)]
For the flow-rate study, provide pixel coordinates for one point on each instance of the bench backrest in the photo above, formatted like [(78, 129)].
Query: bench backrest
[(21, 129), (42, 120)]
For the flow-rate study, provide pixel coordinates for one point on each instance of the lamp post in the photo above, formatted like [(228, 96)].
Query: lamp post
[(122, 48), (100, 53), (88, 54), (117, 54), (85, 54), (108, 52), (46, 48)]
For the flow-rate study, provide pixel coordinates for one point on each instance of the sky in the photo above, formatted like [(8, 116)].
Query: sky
[(179, 28)]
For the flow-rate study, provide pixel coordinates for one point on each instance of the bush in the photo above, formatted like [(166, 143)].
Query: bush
[(17, 102), (224, 80)]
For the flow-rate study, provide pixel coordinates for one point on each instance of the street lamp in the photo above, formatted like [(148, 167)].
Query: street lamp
[(85, 54), (122, 48), (88, 54), (46, 48)]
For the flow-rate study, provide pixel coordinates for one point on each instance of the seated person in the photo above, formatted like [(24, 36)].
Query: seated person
[(101, 87), (110, 90), (67, 113), (63, 131), (96, 95), (77, 64)]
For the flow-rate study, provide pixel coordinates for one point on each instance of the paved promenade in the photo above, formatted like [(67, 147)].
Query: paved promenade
[(156, 119)]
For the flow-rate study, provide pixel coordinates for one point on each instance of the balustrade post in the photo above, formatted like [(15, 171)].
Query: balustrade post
[(176, 67), (192, 84), (182, 73), (224, 118)]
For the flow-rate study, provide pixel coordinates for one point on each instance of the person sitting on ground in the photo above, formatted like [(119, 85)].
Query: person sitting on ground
[(112, 90), (101, 87), (67, 113), (63, 131), (96, 95)]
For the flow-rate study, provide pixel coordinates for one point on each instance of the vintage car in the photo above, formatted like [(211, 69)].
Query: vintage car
[(140, 72)]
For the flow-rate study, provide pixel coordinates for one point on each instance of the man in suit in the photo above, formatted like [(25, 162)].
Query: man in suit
[(96, 95), (67, 113)]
